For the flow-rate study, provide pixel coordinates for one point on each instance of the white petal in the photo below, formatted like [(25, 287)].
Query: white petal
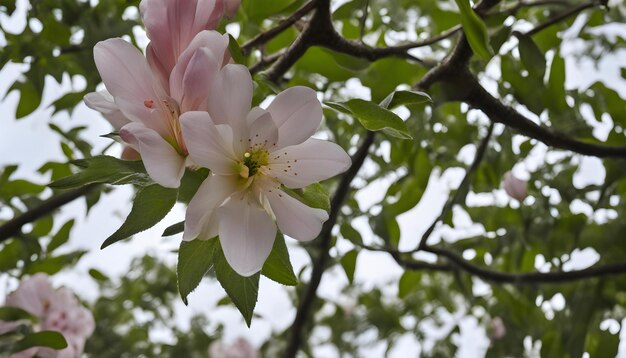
[(209, 145), (126, 74), (294, 218), (164, 165), (200, 222), (102, 101), (297, 113), (231, 97), (247, 235), (307, 163), (262, 131)]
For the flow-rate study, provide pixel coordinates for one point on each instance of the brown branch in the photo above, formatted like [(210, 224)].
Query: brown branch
[(13, 227), (265, 61), (275, 31), (530, 277), (479, 98), (480, 153), (560, 17), (324, 241)]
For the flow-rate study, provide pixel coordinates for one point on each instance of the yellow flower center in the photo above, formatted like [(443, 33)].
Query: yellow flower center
[(254, 159)]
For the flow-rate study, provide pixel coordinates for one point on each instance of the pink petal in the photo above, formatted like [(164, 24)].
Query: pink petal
[(231, 7), (158, 68), (231, 97), (297, 113), (294, 218), (163, 163), (200, 223), (310, 162), (126, 74), (247, 234), (196, 69), (171, 25), (103, 102), (209, 145)]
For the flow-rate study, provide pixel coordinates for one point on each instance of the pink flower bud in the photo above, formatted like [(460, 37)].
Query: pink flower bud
[(231, 7), (497, 329), (515, 188)]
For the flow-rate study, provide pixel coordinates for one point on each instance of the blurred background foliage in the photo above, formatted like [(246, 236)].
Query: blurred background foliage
[(532, 73)]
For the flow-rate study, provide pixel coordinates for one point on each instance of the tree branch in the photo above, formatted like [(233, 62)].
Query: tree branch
[(480, 153), (530, 277), (560, 17), (479, 98), (14, 226), (324, 240), (275, 31)]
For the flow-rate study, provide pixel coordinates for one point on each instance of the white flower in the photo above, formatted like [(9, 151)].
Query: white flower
[(252, 153)]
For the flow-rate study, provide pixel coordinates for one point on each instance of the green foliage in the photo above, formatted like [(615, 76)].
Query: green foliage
[(104, 169), (195, 258), (278, 266), (475, 30), (150, 206), (243, 291), (49, 339), (373, 117)]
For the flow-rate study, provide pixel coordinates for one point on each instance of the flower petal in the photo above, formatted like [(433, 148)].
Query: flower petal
[(297, 113), (196, 68), (171, 25), (127, 76), (247, 234), (310, 162), (294, 218), (103, 102), (200, 221), (262, 131), (163, 163), (209, 145), (231, 97)]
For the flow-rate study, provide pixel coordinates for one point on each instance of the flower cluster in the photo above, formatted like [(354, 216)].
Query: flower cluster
[(185, 105), (56, 310)]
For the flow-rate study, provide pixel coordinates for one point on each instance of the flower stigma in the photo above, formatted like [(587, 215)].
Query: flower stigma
[(254, 160)]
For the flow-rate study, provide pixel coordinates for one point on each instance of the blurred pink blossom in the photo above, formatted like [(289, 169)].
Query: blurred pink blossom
[(57, 310), (240, 348), (514, 187)]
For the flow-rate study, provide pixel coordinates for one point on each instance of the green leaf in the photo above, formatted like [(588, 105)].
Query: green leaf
[(52, 265), (195, 258), (98, 275), (190, 183), (403, 98), (603, 344), (531, 56), (61, 236), (150, 206), (278, 267), (475, 30), (50, 339), (313, 195), (243, 291), (409, 281), (174, 229), (10, 254), (30, 98), (15, 314), (235, 50), (348, 262), (373, 117), (105, 169)]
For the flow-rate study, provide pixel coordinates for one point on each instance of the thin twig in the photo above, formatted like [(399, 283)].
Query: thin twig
[(560, 17), (275, 31), (480, 153), (324, 241)]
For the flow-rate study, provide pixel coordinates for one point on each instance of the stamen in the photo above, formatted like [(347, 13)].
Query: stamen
[(148, 103), (247, 155)]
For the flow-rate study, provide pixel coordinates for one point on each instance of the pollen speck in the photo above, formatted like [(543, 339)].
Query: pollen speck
[(148, 103), (247, 155)]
